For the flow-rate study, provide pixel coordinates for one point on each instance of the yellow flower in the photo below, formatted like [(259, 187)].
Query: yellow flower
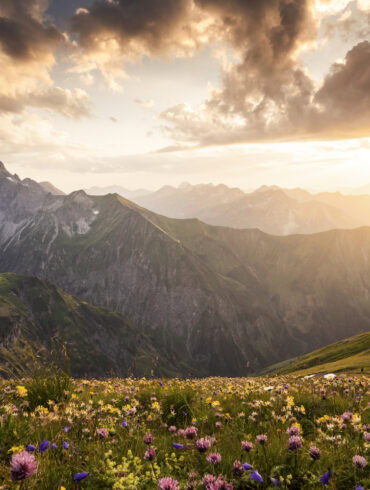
[(356, 418), (290, 401), (16, 449), (22, 390)]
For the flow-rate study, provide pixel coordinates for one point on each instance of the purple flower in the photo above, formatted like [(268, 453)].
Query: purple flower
[(347, 416), (359, 461), (65, 445), (261, 439), (214, 458), (247, 446), (315, 453), (203, 445), (150, 454), (44, 446), (276, 482), (80, 476), (191, 432), (102, 433), (211, 482), (247, 466), (295, 443), (177, 446), (148, 438), (293, 431), (124, 423), (256, 476), (30, 448), (208, 480), (66, 428), (53, 445), (359, 487), (22, 466), (325, 478), (168, 483)]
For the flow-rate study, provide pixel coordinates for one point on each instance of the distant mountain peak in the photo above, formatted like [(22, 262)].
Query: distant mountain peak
[(79, 197), (49, 187), (185, 186), (4, 172), (266, 188)]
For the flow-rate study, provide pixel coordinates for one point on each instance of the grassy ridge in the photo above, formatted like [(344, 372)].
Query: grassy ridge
[(351, 354)]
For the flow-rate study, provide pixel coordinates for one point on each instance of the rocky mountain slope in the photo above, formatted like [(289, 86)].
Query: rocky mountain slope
[(99, 342), (215, 298)]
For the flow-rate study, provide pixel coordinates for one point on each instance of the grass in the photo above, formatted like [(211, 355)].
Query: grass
[(224, 410), (352, 354)]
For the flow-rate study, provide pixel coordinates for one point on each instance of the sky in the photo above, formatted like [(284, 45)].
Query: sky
[(145, 93)]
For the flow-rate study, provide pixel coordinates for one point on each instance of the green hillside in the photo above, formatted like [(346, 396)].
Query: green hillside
[(99, 342), (347, 355)]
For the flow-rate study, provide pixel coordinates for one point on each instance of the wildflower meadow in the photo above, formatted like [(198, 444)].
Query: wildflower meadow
[(169, 434)]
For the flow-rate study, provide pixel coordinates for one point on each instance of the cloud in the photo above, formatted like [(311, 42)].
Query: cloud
[(23, 35), (70, 103), (344, 97), (147, 104), (29, 134), (266, 84), (268, 95), (111, 32), (27, 55)]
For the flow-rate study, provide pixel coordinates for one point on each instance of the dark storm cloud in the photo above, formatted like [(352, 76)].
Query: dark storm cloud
[(345, 94), (148, 22), (268, 95), (268, 30), (266, 88), (27, 45), (23, 36)]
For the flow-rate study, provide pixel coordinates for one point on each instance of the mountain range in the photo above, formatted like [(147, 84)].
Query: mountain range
[(211, 298), (271, 209)]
